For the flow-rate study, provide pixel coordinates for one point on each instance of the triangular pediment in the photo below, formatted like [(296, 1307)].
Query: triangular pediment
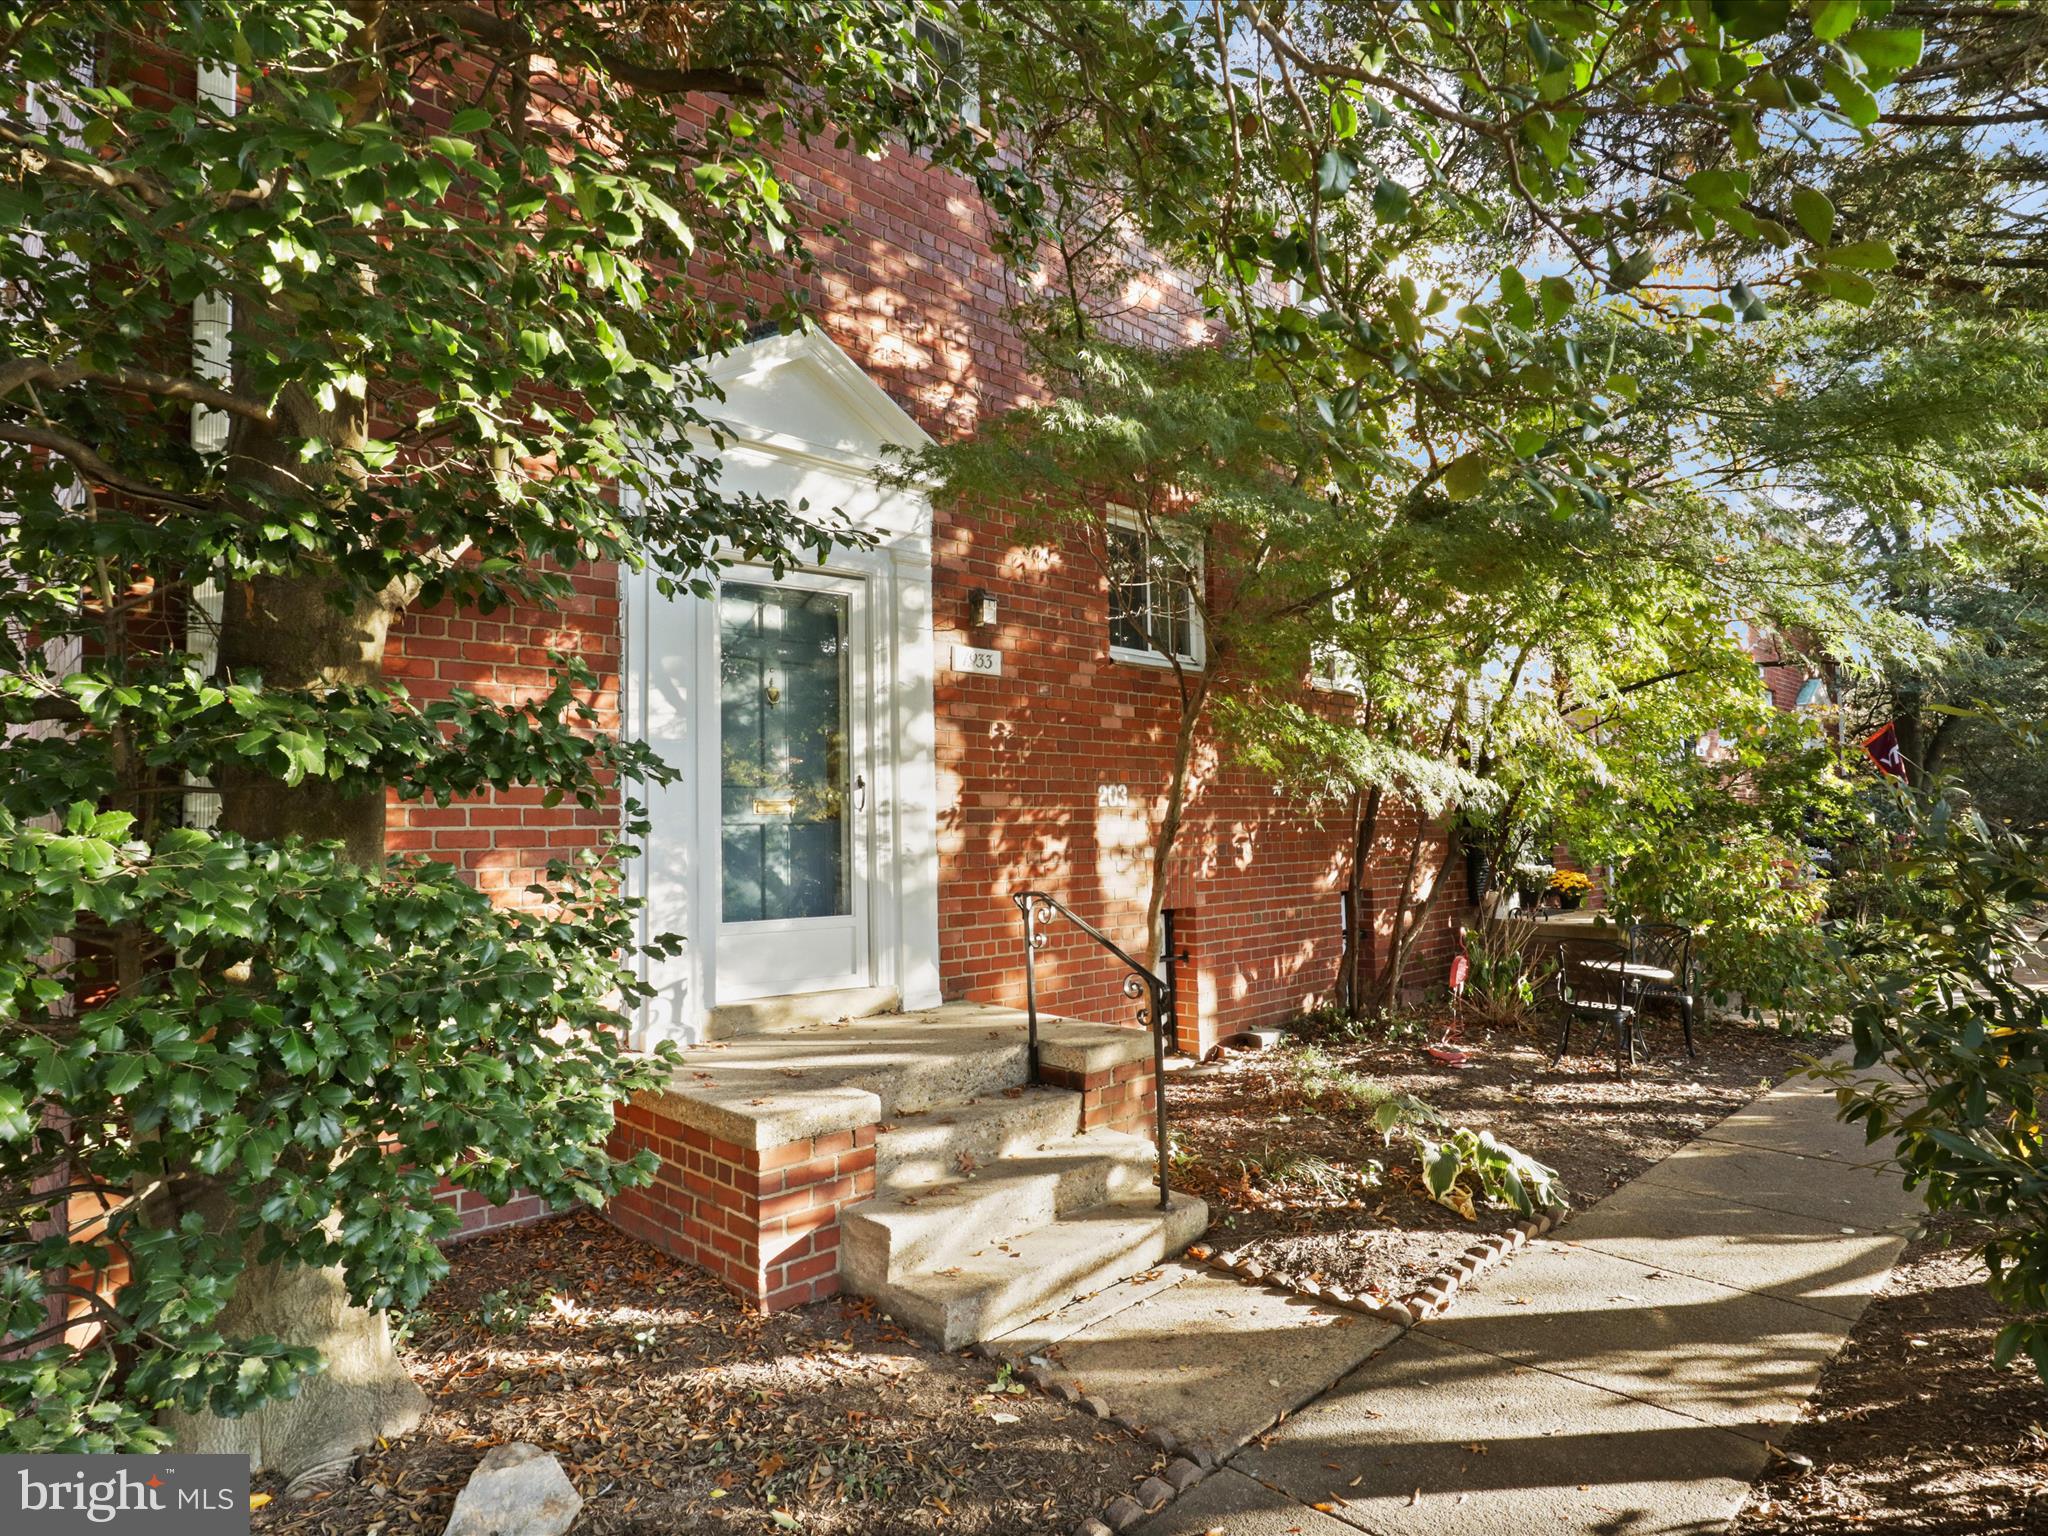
[(802, 394)]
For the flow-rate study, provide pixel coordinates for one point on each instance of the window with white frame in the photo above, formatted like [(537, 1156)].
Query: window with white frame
[(945, 46), (1153, 611), (1330, 665)]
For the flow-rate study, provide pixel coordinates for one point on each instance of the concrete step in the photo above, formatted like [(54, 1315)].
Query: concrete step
[(930, 1226), (799, 1008), (929, 1146), (1010, 1282)]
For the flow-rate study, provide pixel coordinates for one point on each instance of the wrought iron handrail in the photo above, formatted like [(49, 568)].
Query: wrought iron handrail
[(1143, 984)]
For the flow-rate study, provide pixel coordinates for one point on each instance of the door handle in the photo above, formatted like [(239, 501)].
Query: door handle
[(860, 792)]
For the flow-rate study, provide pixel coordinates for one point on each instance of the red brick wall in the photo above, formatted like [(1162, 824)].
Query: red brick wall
[(1121, 1098), (764, 1221), (475, 1215), (504, 842)]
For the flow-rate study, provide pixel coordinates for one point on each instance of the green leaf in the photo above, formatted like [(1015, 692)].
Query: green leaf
[(15, 1122), (1751, 20), (1390, 201), (1343, 112), (1886, 50), (1849, 287), (1465, 476), (1631, 270), (469, 120), (1815, 213), (1831, 18), (1558, 298), (1866, 255), (1718, 188), (1850, 94), (1334, 172), (123, 1073), (1440, 1165)]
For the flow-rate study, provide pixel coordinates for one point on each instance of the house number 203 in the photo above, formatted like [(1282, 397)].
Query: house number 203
[(1113, 797)]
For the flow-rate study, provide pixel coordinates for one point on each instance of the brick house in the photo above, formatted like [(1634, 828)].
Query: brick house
[(876, 752), (1037, 762)]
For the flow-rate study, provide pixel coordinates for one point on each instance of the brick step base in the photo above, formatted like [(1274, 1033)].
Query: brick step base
[(768, 1144)]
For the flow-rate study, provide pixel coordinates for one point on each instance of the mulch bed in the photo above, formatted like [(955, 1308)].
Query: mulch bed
[(674, 1409), (1278, 1151), (1913, 1429)]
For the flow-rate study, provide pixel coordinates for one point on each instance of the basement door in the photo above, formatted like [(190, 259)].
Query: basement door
[(792, 773)]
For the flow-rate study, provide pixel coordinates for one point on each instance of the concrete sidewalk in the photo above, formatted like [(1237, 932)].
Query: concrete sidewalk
[(1624, 1377)]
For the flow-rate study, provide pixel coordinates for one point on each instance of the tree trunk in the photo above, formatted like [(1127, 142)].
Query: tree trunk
[(1404, 940), (1365, 832), (1403, 903), (360, 1395), (294, 634), (1170, 822)]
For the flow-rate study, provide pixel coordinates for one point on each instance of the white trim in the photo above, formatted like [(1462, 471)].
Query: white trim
[(803, 422)]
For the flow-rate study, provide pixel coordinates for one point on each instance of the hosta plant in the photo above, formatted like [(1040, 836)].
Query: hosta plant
[(1469, 1159)]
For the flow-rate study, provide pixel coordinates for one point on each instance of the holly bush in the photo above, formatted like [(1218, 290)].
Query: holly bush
[(324, 1040), (445, 267), (1951, 1044)]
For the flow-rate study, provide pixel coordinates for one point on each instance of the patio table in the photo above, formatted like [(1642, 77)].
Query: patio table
[(1635, 971)]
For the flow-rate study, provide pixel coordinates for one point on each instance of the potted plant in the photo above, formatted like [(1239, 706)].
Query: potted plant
[(1531, 881), (1570, 887)]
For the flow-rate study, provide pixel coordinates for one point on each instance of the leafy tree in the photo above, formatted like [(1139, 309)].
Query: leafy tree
[(450, 246), (1214, 467), (1401, 213), (1894, 454)]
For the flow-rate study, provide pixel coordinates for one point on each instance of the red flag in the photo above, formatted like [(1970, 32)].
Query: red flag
[(1883, 748)]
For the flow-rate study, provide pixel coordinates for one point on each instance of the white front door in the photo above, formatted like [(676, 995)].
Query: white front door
[(790, 759)]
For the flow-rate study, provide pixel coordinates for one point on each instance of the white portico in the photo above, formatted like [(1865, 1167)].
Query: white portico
[(798, 853)]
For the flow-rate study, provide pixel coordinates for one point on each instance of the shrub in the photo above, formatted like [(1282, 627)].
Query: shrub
[(1327, 1086), (1964, 1046), (1505, 983)]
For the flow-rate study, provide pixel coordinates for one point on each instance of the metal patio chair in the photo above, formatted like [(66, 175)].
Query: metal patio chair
[(1593, 983), (1663, 970)]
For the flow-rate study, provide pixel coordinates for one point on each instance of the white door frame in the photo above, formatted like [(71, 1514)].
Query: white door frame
[(805, 425)]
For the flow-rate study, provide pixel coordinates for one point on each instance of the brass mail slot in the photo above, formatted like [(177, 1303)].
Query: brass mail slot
[(774, 807)]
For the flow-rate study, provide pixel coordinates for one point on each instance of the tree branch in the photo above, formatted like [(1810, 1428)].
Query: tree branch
[(88, 463), (16, 372), (500, 32)]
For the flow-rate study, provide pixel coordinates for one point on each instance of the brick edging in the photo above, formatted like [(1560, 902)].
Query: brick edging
[(1187, 1464)]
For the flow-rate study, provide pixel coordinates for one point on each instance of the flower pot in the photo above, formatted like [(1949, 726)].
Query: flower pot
[(1570, 901)]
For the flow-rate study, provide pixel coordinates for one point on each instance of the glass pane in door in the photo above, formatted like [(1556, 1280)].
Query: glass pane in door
[(784, 753)]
